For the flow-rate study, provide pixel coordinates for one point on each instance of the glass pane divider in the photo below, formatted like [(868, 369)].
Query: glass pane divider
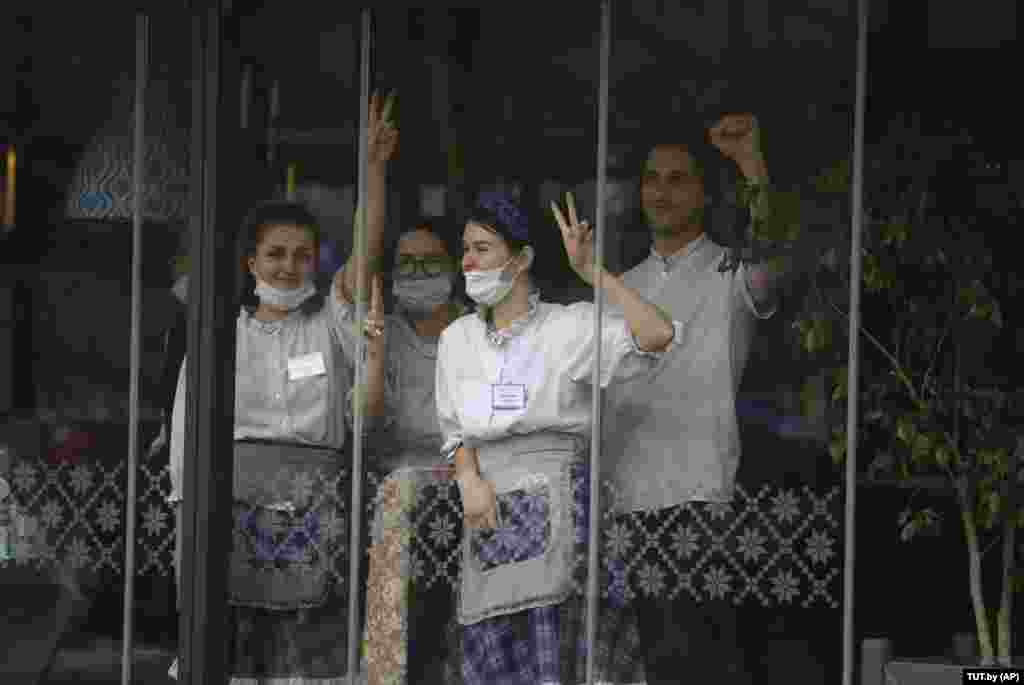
[(138, 183), (359, 247), (857, 213), (598, 396)]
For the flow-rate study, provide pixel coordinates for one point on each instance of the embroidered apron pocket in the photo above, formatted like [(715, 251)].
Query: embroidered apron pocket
[(286, 527), (527, 561), (523, 533), (280, 559)]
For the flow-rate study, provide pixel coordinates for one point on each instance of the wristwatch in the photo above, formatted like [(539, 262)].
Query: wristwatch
[(449, 454)]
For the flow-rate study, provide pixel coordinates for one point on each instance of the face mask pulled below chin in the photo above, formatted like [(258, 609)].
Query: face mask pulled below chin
[(422, 295), (284, 299), (489, 287)]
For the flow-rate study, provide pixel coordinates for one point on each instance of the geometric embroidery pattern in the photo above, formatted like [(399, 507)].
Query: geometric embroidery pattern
[(773, 547)]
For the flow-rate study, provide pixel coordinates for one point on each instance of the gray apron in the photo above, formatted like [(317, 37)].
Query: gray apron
[(527, 561), (286, 527)]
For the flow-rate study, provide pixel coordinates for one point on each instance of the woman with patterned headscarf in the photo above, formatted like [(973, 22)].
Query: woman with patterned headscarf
[(514, 401)]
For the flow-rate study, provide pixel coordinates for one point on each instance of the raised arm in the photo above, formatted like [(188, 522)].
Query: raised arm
[(738, 137), (650, 327), (383, 141), (375, 328)]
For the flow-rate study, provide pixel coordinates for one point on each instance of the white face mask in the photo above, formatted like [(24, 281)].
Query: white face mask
[(422, 295), (284, 299), (491, 286)]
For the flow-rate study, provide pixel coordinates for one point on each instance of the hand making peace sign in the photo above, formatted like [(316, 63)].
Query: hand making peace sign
[(578, 238), (382, 132)]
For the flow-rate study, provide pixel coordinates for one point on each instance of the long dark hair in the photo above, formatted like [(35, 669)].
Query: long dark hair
[(254, 228)]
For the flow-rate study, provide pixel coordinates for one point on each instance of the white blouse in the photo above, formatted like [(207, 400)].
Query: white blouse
[(293, 382), (535, 376)]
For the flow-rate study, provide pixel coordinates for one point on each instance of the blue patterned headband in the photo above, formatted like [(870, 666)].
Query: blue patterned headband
[(505, 208)]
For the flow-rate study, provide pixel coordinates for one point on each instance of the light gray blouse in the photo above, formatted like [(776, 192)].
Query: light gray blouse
[(673, 437), (293, 382), (413, 433)]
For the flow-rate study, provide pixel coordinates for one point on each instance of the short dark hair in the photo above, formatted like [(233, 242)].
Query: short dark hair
[(254, 227), (705, 160)]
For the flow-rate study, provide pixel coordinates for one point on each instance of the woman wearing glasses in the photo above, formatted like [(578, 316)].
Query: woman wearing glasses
[(425, 302), (405, 635)]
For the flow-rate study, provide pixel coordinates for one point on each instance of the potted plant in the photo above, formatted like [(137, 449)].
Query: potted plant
[(927, 297)]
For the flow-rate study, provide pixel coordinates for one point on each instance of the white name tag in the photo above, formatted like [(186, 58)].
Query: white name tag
[(508, 396), (306, 366)]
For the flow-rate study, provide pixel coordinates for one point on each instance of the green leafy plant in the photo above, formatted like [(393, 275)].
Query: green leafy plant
[(924, 294)]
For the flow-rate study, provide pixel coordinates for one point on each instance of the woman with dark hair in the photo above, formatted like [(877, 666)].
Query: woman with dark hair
[(294, 402), (426, 301), (514, 399), (424, 289)]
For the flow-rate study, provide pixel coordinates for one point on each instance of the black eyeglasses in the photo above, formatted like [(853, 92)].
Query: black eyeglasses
[(436, 265)]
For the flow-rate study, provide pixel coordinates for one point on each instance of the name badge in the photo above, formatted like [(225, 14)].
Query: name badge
[(508, 396), (306, 366)]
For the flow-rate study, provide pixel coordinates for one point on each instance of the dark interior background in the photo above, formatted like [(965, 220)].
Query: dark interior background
[(522, 96)]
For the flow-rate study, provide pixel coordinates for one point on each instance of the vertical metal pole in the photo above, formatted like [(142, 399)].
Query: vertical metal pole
[(594, 514), (211, 353), (857, 220), (359, 243), (138, 188)]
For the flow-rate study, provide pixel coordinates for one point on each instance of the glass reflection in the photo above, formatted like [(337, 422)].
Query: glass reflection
[(689, 527), (716, 464), (65, 442)]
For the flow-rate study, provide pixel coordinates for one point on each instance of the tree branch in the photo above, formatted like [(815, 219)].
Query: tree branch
[(990, 545), (901, 374), (897, 367), (935, 358)]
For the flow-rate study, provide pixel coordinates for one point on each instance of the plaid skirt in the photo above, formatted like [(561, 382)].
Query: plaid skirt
[(548, 644)]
